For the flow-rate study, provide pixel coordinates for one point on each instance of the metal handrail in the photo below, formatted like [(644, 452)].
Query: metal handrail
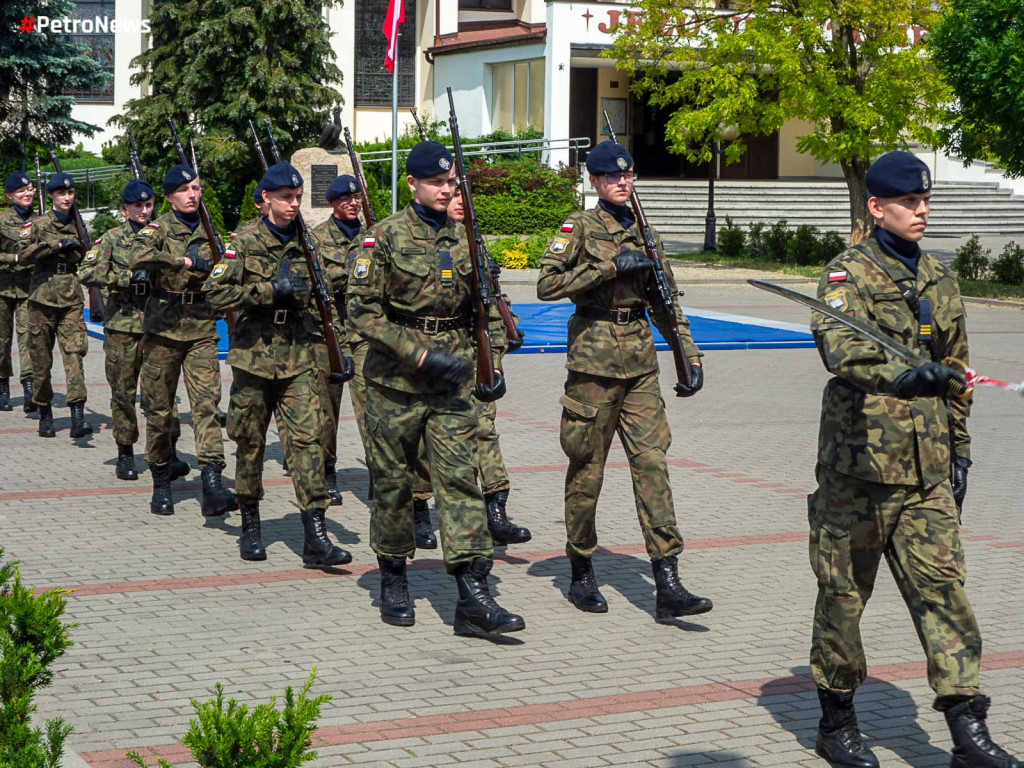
[(87, 176), (485, 148)]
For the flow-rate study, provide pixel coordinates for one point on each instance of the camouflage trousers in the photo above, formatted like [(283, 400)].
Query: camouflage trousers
[(14, 322), (853, 523), (123, 357), (295, 405), (66, 327), (491, 466), (396, 424), (163, 361), (594, 408), (330, 404)]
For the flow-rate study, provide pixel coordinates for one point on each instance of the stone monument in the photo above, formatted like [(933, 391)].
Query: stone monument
[(318, 168)]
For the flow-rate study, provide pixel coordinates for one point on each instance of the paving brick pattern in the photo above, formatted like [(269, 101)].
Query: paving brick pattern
[(165, 608)]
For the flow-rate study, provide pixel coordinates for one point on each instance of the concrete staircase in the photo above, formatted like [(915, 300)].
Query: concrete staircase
[(677, 207)]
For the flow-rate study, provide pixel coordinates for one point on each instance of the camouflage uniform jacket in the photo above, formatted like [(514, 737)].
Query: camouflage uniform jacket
[(54, 280), (398, 270), (866, 431), (160, 248), (338, 253), (578, 265), (266, 342), (14, 276), (106, 266)]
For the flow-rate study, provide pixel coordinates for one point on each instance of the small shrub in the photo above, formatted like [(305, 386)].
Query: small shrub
[(802, 248), (776, 242), (233, 736), (731, 240), (103, 221), (508, 251), (971, 262), (755, 242), (248, 210), (1009, 267), (830, 246)]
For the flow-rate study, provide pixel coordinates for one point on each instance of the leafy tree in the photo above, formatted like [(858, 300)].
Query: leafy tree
[(216, 64), (977, 47), (855, 70), (37, 70)]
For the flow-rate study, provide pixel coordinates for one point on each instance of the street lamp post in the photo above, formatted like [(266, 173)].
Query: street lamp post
[(722, 133)]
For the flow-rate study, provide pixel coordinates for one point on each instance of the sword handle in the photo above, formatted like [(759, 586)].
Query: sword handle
[(958, 388)]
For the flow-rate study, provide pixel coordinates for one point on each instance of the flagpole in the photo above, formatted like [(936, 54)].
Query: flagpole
[(394, 127)]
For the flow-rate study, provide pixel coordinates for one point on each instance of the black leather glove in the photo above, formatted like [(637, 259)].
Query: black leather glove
[(516, 344), (958, 479), (69, 247), (930, 380), (282, 286), (139, 276), (446, 367), (300, 291), (486, 394), (627, 262), (696, 382), (348, 371), (494, 268), (200, 265)]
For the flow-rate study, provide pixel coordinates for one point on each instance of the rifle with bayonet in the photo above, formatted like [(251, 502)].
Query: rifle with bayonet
[(212, 235), (482, 297), (96, 310), (133, 158), (40, 189), (419, 124), (342, 368), (664, 294), (357, 171)]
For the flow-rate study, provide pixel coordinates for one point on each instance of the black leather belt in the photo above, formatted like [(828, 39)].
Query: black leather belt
[(185, 297), (429, 325), (619, 316), (277, 316), (133, 289), (60, 268)]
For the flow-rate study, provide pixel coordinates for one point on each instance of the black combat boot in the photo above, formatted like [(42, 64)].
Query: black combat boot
[(161, 503), (125, 469), (46, 421), (178, 467), (317, 549), (477, 613), (502, 530), (79, 426), (972, 745), (5, 394), (331, 481), (583, 591), (28, 406), (395, 606), (422, 527), (216, 498), (839, 740), (673, 599), (250, 543)]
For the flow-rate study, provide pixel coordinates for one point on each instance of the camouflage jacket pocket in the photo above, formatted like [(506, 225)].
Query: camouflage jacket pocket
[(409, 283), (577, 434)]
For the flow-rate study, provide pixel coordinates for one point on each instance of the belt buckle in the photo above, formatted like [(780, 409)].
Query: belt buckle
[(188, 297), (622, 315), (140, 289), (280, 316), (430, 326), (62, 268)]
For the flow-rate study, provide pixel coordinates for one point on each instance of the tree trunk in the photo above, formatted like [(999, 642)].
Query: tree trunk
[(861, 223)]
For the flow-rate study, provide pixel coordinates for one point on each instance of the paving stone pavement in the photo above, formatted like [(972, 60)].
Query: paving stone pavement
[(166, 608)]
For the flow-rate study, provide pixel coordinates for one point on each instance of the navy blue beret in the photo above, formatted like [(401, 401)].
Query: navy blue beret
[(136, 191), (898, 173), (428, 158), (176, 176), (343, 185), (60, 181), (281, 175), (257, 195), (609, 157), (16, 180)]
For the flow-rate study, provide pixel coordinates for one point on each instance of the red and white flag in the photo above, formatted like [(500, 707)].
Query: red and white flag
[(394, 17)]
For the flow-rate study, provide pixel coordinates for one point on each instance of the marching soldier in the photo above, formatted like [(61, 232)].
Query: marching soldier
[(893, 454), (409, 297), (106, 266), (50, 244), (181, 335), (341, 237), (14, 286), (273, 357), (612, 386)]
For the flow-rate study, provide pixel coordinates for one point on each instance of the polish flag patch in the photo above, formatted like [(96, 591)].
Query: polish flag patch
[(835, 277), (95, 242), (369, 241), (232, 235), (229, 254), (154, 225), (568, 226)]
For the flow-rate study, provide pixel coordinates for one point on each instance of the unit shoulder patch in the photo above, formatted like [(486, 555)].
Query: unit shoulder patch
[(361, 268), (558, 245), (838, 299), (91, 254), (219, 271)]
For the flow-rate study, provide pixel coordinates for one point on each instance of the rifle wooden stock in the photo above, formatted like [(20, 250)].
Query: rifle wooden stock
[(663, 291), (357, 171), (477, 253), (96, 308), (321, 291)]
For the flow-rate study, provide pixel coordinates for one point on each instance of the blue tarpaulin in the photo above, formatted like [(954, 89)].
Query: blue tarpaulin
[(545, 325)]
